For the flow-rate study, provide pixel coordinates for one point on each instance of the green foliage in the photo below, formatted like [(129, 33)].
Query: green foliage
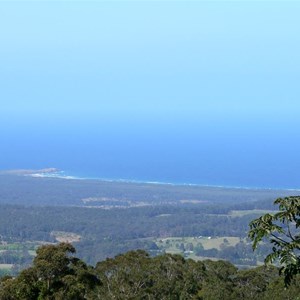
[(135, 275), (220, 274), (54, 275), (281, 230), (252, 284)]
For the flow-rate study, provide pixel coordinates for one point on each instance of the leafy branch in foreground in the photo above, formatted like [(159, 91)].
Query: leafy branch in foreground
[(281, 229)]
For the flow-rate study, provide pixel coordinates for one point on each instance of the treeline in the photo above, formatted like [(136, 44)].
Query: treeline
[(57, 274)]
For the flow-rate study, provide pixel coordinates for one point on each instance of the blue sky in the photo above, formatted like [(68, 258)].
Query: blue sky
[(194, 69), (137, 59)]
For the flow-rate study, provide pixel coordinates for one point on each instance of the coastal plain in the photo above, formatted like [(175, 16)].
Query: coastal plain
[(44, 191), (104, 218)]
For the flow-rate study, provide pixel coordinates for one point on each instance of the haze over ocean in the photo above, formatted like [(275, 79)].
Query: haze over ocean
[(184, 92)]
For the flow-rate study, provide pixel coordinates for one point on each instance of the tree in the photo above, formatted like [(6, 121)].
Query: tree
[(55, 274), (281, 229), (252, 284), (218, 284), (136, 275), (124, 277)]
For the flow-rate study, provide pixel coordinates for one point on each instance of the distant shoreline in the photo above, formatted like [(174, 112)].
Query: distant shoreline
[(60, 174)]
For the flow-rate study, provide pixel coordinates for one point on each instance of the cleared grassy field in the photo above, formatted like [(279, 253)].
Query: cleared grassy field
[(6, 266), (217, 242), (66, 237), (16, 246), (172, 244)]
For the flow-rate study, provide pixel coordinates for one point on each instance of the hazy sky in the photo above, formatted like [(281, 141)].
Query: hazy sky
[(149, 59)]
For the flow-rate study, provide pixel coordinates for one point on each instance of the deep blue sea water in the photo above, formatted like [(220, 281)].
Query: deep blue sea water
[(192, 153)]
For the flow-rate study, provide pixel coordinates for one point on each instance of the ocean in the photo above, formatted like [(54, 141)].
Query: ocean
[(193, 153)]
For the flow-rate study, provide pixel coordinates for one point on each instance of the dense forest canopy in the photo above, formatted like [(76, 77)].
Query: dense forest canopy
[(57, 274)]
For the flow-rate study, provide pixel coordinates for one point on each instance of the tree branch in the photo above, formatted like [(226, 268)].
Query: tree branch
[(278, 238)]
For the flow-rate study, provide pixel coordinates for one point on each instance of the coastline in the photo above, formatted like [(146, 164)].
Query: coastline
[(60, 174)]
